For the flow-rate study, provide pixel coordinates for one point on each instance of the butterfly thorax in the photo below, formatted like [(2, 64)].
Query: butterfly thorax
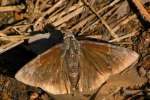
[(71, 54)]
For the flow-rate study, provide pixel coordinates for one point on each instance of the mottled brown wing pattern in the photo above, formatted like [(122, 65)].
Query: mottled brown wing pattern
[(47, 71), (100, 60)]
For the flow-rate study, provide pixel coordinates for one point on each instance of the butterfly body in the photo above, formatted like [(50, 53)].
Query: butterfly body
[(72, 56), (75, 65)]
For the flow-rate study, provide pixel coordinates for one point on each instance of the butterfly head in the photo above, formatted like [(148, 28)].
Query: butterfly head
[(68, 35)]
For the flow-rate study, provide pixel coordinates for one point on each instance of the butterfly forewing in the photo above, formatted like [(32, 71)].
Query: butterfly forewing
[(47, 71), (100, 60)]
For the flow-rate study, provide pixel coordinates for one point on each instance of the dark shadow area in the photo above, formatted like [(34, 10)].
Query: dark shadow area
[(41, 44), (96, 93), (12, 60), (145, 23)]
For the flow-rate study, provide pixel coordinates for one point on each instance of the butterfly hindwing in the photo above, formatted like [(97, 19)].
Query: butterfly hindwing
[(100, 60), (47, 71)]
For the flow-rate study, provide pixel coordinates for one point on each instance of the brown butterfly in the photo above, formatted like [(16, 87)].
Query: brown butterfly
[(75, 65)]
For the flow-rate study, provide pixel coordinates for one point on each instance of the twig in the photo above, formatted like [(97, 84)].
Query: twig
[(49, 11), (133, 92), (20, 29), (101, 19), (44, 5), (68, 17), (2, 34), (16, 8), (54, 16), (91, 17), (99, 37), (90, 26), (124, 22), (142, 10), (110, 12), (18, 25), (85, 29), (113, 93), (82, 22), (15, 37), (59, 15), (36, 6), (124, 37)]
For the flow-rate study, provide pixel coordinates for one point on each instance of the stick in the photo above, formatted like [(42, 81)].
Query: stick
[(16, 8), (91, 17), (102, 20), (2, 34), (124, 22), (142, 10), (53, 8), (59, 15), (68, 17), (124, 37), (15, 37)]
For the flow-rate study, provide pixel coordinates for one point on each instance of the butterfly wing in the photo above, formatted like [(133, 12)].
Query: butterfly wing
[(97, 62), (100, 60), (47, 71)]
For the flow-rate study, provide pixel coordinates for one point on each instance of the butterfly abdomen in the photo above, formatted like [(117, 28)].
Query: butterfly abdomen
[(73, 68)]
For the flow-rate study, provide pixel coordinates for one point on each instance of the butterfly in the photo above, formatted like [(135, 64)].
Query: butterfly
[(74, 65)]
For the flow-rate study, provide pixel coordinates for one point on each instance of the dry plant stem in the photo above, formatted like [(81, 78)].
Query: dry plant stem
[(94, 36), (142, 10), (102, 20), (59, 15), (37, 4), (109, 6), (68, 17), (16, 8), (132, 92), (124, 37), (113, 34), (124, 22), (110, 12), (49, 11), (17, 25), (83, 22), (91, 17), (23, 28), (54, 15), (124, 43), (85, 29), (70, 9), (36, 9), (113, 93), (15, 37), (114, 24), (44, 5), (2, 34), (5, 30), (16, 30)]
